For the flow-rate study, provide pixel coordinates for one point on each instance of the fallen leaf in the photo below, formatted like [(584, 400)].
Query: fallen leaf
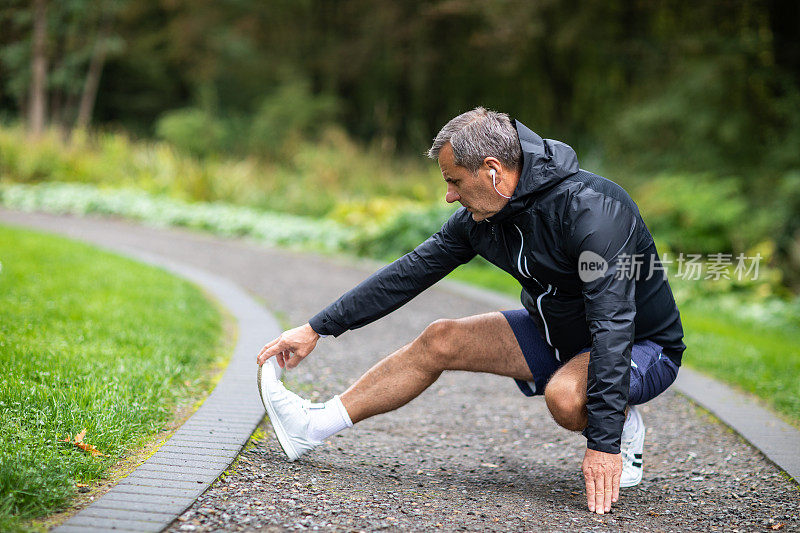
[(776, 527), (84, 446)]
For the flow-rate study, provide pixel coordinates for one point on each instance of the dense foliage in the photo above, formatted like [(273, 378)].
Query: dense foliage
[(719, 72), (705, 92)]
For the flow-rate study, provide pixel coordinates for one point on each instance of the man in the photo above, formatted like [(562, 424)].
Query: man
[(594, 336)]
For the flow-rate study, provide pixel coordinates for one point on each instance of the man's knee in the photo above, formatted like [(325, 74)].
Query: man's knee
[(567, 403), (438, 344)]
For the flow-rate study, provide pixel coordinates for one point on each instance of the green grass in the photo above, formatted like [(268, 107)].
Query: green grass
[(761, 357), (481, 273), (88, 340), (756, 358)]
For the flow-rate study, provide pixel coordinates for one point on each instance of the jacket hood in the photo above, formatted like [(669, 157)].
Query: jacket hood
[(545, 163)]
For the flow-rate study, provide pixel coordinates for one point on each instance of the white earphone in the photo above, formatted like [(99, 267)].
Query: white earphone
[(494, 179)]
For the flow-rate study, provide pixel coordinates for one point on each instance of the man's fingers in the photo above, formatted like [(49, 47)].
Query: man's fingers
[(273, 349), (293, 361), (298, 341), (269, 345), (265, 354), (282, 357), (602, 473), (599, 494), (285, 357), (589, 489)]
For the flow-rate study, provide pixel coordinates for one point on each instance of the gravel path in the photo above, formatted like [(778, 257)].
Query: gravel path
[(471, 453)]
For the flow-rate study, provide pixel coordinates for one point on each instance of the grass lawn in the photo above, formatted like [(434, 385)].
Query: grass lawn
[(756, 358), (88, 340), (752, 356)]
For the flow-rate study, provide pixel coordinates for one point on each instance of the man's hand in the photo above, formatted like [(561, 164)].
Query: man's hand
[(602, 472), (291, 347)]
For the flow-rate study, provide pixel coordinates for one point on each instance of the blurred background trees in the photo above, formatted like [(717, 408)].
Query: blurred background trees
[(695, 104)]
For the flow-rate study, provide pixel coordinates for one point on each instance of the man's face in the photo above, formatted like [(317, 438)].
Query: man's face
[(473, 191)]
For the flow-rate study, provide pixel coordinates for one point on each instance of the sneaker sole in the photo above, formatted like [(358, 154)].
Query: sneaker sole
[(632, 483), (283, 437)]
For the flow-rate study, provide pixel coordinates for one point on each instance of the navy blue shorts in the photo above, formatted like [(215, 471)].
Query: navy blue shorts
[(651, 371)]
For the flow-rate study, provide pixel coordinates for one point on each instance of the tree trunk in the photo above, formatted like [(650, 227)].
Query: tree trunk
[(89, 95), (37, 111)]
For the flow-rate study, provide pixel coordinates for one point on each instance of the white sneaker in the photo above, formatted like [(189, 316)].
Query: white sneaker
[(288, 414), (631, 447)]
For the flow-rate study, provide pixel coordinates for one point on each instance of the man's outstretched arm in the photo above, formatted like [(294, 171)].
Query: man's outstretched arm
[(384, 291), (396, 284)]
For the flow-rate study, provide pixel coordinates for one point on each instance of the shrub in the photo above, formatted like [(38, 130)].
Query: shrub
[(402, 233), (697, 214), (312, 180), (30, 160), (193, 130), (219, 218), (288, 116)]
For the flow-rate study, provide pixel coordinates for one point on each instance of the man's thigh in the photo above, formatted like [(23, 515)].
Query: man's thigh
[(651, 373), (485, 343)]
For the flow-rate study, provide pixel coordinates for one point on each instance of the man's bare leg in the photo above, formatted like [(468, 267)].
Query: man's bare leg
[(480, 343), (565, 393)]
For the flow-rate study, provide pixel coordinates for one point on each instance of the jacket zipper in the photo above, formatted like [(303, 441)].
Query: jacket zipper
[(541, 314), (522, 267), (522, 262)]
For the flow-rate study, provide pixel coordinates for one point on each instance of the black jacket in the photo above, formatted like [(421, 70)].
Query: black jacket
[(557, 213)]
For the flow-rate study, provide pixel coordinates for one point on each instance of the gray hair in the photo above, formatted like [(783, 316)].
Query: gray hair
[(478, 134)]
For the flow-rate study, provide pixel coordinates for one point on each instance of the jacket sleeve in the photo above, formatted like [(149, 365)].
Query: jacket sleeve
[(605, 235), (397, 283)]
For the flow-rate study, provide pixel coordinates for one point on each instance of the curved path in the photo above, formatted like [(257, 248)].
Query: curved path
[(469, 453)]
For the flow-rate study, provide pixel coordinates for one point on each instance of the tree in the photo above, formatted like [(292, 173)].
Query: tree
[(37, 112), (54, 56), (104, 42)]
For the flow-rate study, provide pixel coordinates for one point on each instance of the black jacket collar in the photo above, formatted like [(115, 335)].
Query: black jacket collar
[(545, 163)]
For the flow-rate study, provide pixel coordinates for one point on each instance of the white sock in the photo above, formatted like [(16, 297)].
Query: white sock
[(328, 419)]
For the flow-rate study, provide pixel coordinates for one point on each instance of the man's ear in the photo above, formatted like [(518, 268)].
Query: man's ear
[(492, 163)]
